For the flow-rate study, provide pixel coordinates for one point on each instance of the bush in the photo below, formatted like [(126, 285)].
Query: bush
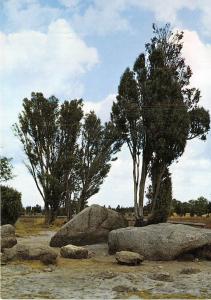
[(11, 206)]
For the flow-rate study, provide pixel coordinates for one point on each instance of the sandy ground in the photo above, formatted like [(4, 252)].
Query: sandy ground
[(100, 277)]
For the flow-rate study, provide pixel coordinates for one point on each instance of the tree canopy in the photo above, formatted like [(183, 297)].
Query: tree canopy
[(68, 154), (157, 111)]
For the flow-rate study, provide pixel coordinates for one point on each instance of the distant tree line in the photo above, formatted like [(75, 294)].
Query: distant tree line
[(200, 206)]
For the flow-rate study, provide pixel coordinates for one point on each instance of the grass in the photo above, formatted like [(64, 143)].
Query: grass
[(195, 219), (144, 294), (30, 225)]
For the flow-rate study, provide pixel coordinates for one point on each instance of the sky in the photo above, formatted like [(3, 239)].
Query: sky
[(80, 48)]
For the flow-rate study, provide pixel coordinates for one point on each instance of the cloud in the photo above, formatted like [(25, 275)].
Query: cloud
[(46, 61), (102, 108), (30, 14), (104, 17)]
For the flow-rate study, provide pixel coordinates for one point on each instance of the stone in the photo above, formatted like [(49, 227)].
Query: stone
[(128, 258), (161, 276), (45, 254), (71, 251), (90, 226), (162, 241), (190, 271), (124, 289), (8, 238)]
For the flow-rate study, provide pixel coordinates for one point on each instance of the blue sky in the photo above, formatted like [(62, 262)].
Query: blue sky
[(75, 48)]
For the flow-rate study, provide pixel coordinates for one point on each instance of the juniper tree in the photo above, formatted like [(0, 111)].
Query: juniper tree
[(167, 109)]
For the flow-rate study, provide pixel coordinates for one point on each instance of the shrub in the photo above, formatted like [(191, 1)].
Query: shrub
[(11, 206)]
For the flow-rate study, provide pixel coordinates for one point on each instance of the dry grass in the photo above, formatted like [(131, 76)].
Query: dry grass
[(204, 219), (31, 225)]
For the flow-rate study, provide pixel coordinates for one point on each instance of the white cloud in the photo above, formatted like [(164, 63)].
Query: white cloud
[(30, 14), (102, 108), (102, 17), (46, 61)]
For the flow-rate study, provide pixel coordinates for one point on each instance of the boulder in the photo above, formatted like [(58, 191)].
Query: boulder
[(45, 254), (90, 226), (128, 258), (71, 251), (8, 238), (163, 241)]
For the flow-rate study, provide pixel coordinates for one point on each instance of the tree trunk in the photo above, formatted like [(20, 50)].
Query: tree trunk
[(47, 214), (135, 191), (141, 190)]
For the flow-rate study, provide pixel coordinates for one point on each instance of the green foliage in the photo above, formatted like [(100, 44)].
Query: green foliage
[(162, 208), (157, 111), (5, 169), (196, 207), (68, 155), (98, 145), (11, 206)]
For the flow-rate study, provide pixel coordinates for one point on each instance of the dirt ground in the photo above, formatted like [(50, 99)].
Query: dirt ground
[(99, 277)]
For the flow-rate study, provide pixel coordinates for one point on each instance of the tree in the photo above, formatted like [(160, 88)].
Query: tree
[(49, 134), (166, 112), (68, 155), (11, 206), (6, 169), (126, 115), (98, 145)]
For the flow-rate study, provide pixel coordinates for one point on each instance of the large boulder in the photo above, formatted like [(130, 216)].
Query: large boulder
[(8, 238), (159, 242), (90, 226)]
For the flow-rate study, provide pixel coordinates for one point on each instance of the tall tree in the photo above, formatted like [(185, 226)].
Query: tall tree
[(127, 116), (49, 135), (166, 109), (68, 156), (97, 146)]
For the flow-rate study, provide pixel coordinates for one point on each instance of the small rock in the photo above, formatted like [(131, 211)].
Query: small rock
[(124, 289), (190, 271), (48, 270), (48, 258), (162, 276), (71, 251), (128, 258), (107, 275)]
